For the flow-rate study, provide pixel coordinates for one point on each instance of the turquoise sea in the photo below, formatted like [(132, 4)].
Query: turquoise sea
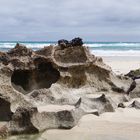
[(97, 48)]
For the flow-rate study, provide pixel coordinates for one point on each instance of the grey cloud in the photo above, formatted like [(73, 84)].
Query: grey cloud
[(103, 20)]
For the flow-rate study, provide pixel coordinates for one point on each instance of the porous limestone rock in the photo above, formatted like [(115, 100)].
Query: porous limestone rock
[(54, 86), (21, 121)]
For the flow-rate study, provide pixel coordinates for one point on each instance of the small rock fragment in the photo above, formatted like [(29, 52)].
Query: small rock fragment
[(135, 104), (121, 105)]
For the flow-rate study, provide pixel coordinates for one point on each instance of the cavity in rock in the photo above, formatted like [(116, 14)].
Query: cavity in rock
[(43, 76)]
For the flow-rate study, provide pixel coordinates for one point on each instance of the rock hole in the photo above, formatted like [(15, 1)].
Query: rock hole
[(5, 111), (43, 76)]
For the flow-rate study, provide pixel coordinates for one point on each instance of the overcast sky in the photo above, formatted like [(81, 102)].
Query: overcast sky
[(93, 20)]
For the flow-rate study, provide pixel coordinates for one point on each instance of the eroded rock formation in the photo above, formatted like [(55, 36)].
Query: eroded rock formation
[(135, 84), (55, 86)]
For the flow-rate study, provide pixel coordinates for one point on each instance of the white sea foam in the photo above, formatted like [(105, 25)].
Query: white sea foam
[(29, 45), (99, 49), (37, 45), (94, 45), (113, 44), (115, 53)]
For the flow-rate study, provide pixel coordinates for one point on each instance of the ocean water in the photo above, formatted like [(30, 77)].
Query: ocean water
[(97, 48)]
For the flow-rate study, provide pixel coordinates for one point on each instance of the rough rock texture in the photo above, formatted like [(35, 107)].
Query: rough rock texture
[(56, 116), (4, 132), (135, 104), (135, 85), (53, 87), (5, 111), (21, 121), (134, 73)]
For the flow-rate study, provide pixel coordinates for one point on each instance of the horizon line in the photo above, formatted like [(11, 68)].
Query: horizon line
[(50, 41)]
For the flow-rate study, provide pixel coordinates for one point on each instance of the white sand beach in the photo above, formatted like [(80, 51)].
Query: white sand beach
[(122, 64)]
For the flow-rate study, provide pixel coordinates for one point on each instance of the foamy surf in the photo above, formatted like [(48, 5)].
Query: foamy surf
[(116, 53), (97, 48), (113, 44), (33, 45)]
